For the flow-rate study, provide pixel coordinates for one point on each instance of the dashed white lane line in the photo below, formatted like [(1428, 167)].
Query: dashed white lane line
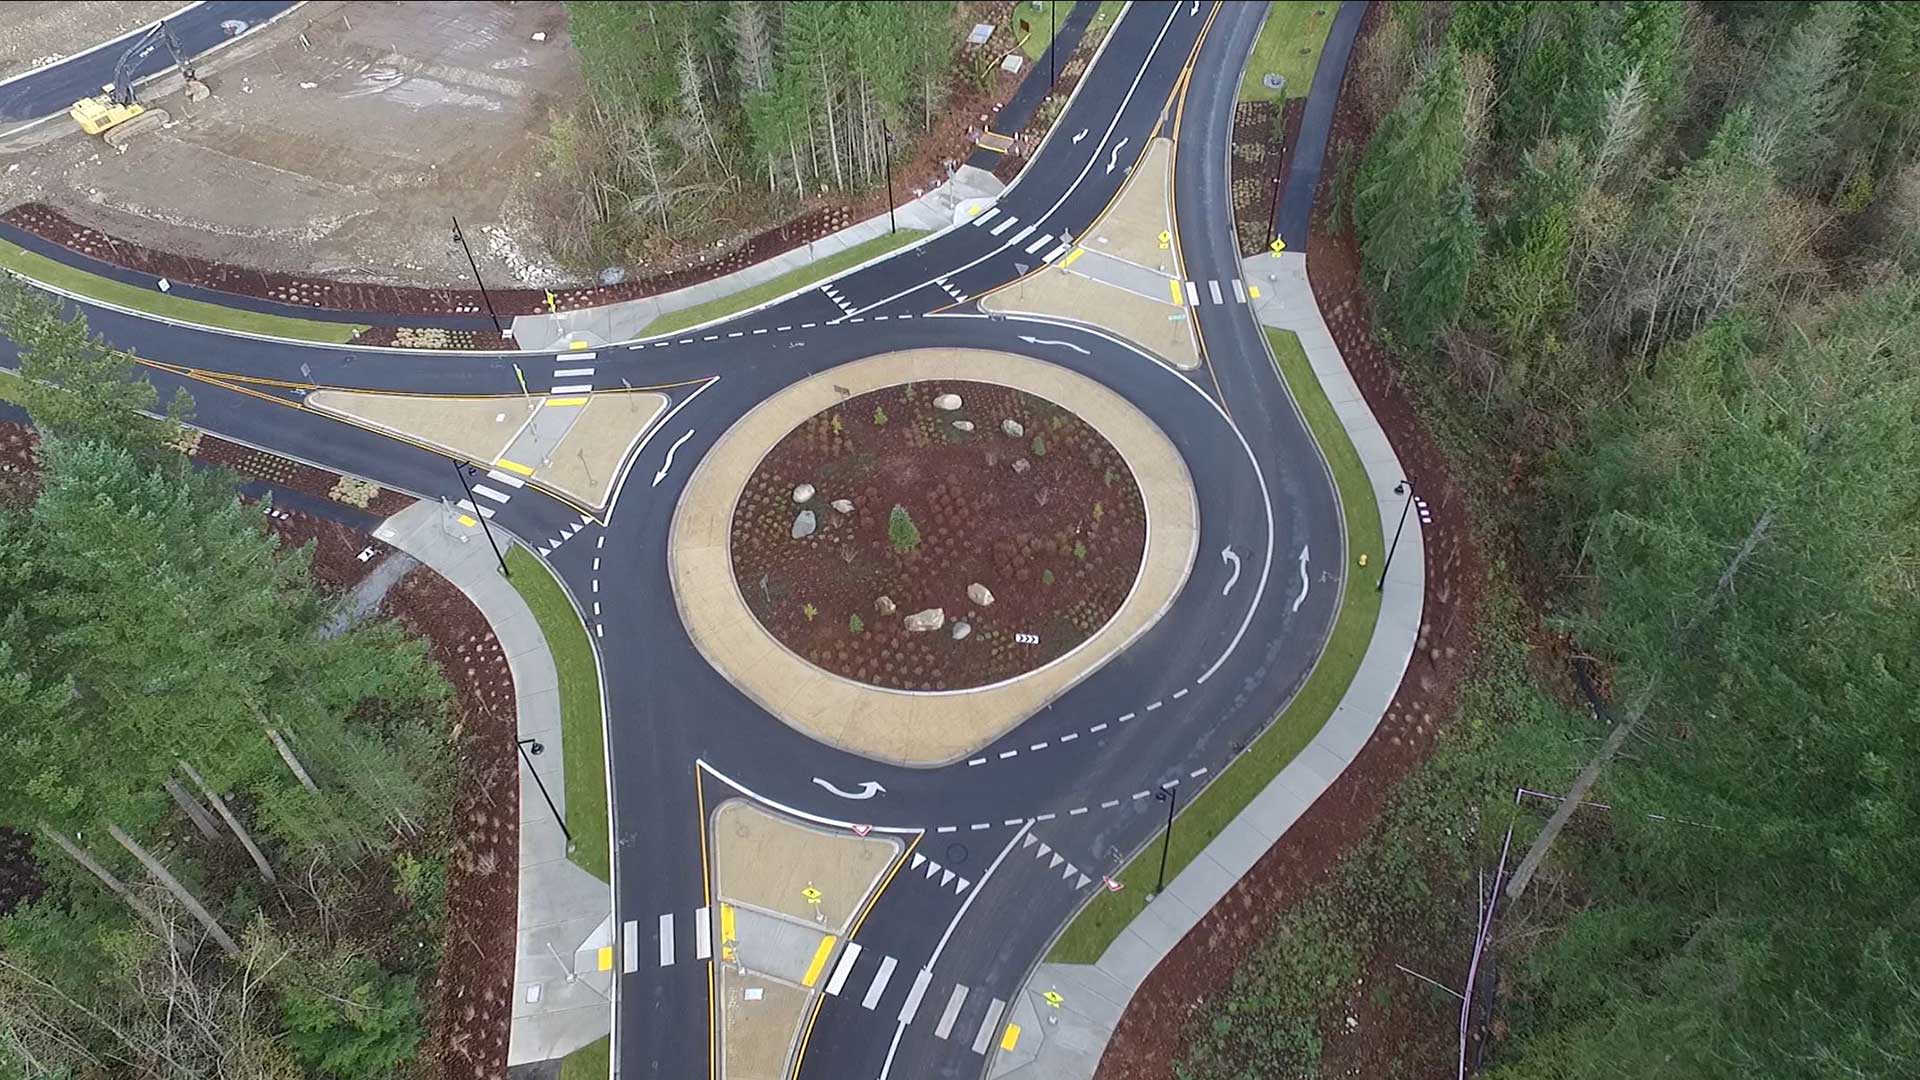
[(1076, 811), (1141, 794), (945, 1027), (1012, 821), (879, 984), (1004, 225), (1038, 746), (573, 388), (782, 329), (711, 337), (666, 940), (1097, 728), (1180, 693), (1035, 247), (596, 564), (1154, 706), (496, 496), (947, 829), (808, 325), (736, 333), (596, 584), (1005, 754), (982, 826), (977, 761), (1126, 717), (1199, 772), (847, 957), (988, 1025), (1070, 736), (762, 330), (630, 942), (702, 935), (596, 608), (600, 543), (686, 341), (599, 631), (1045, 817), (505, 478), (1110, 804), (911, 1007), (573, 373)]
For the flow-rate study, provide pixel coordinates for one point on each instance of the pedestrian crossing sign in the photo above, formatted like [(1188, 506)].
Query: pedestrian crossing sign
[(1277, 246), (1053, 998)]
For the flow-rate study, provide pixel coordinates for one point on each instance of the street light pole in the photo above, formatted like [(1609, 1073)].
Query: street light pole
[(1170, 796), (1273, 208), (461, 471), (1403, 487), (1053, 33), (537, 748), (461, 239), (887, 137)]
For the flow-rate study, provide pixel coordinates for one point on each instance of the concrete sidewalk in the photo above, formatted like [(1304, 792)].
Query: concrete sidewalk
[(938, 209), (563, 970), (1067, 1041)]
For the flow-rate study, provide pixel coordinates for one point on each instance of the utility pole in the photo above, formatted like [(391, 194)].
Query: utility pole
[(1170, 796), (537, 748), (461, 470), (1404, 487), (1053, 33), (1273, 208), (461, 239), (887, 137)]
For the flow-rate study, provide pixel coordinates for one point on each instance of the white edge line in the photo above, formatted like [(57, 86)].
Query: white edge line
[(639, 447), (978, 887), (897, 830)]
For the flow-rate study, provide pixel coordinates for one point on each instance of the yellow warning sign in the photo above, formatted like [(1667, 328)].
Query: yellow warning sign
[(810, 894), (553, 302), (1277, 246), (1165, 239), (1053, 998)]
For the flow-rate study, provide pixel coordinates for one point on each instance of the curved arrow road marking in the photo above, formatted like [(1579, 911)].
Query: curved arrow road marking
[(1115, 158), (1227, 556), (677, 443), (1044, 341), (868, 789), (1305, 583), (1082, 135)]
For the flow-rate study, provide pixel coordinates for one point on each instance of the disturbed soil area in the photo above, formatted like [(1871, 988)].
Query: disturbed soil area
[(1051, 522), (1395, 1029)]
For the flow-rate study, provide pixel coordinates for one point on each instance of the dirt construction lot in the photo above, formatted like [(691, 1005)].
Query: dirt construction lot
[(336, 144)]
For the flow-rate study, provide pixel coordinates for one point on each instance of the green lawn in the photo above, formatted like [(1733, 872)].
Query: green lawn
[(1036, 15), (590, 1062), (47, 271), (1291, 27), (723, 306), (9, 386), (583, 749), (1095, 928)]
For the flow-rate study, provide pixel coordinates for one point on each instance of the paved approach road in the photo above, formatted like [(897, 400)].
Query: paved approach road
[(1078, 777)]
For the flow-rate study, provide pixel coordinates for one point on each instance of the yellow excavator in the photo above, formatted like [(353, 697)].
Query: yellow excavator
[(117, 115)]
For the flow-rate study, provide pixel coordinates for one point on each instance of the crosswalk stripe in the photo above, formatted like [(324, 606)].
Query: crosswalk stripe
[(573, 388), (1193, 295), (630, 941), (982, 219), (666, 940), (496, 496), (987, 1025), (911, 1008), (505, 478), (879, 984), (1021, 236), (1040, 243), (702, 935), (1239, 293), (575, 356), (1009, 222), (1055, 253), (472, 509), (1214, 288), (572, 373), (844, 968), (945, 1027)]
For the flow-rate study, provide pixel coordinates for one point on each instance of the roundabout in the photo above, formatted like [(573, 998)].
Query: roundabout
[(1029, 566)]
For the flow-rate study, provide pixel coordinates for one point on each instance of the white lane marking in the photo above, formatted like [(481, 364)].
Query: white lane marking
[(1229, 558), (573, 388), (496, 496), (1110, 804), (1199, 772), (1005, 754), (947, 829), (1305, 582), (485, 512), (1141, 794), (945, 1027), (840, 972), (988, 1025), (1213, 287), (989, 212), (919, 990), (596, 608), (686, 341), (1020, 237), (1055, 253), (596, 564), (572, 373), (575, 356), (977, 761), (630, 940), (1096, 729), (941, 946), (599, 631), (1153, 706), (1180, 693), (980, 827), (783, 329), (668, 464), (1193, 295), (1070, 736), (1009, 823), (711, 337), (600, 543), (808, 325), (1038, 746), (505, 478), (1126, 717), (1008, 223), (736, 334), (596, 584), (1114, 161), (1040, 243), (1044, 817), (666, 940), (762, 330), (702, 935), (1076, 811), (1239, 291), (879, 984)]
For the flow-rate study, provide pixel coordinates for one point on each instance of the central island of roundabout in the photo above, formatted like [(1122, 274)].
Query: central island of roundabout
[(905, 556)]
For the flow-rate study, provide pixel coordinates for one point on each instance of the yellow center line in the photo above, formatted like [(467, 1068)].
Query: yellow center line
[(819, 960)]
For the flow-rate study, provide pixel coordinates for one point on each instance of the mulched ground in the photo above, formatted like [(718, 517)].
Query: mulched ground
[(1261, 165), (1395, 1032), (274, 469), (1057, 540), (410, 337), (19, 880)]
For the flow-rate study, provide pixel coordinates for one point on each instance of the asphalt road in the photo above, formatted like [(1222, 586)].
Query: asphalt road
[(52, 89), (1172, 710)]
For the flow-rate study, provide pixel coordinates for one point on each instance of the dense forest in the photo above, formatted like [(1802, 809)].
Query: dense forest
[(238, 802), (1652, 271), (702, 118)]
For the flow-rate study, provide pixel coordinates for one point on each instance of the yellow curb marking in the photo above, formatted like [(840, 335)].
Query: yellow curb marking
[(1253, 291), (556, 402), (819, 960), (514, 466), (1178, 300), (1068, 261), (1012, 1037), (467, 521), (576, 344), (606, 958)]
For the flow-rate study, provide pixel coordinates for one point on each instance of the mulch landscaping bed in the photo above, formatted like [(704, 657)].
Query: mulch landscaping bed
[(1394, 1033), (1051, 522), (274, 469), (1261, 165), (410, 337), (337, 565)]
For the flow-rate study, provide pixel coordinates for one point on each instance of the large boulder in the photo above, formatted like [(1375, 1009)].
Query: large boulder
[(1021, 465), (803, 494), (961, 630), (885, 605), (843, 506), (980, 594), (1012, 427), (947, 402), (963, 425), (922, 621), (804, 525)]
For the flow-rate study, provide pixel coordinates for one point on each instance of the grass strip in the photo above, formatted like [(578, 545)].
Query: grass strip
[(583, 750), (1290, 43), (1203, 819), (9, 386), (591, 1062), (37, 267), (722, 306)]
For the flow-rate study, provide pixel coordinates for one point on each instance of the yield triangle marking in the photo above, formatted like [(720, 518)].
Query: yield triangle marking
[(962, 887), (571, 529), (1082, 883), (556, 542), (945, 876), (932, 868), (1043, 852), (585, 520), (1029, 840), (1057, 860), (918, 859), (543, 551), (1070, 871)]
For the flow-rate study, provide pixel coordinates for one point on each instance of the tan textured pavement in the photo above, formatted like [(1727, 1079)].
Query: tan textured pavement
[(759, 1017), (770, 861), (1131, 227), (477, 428), (586, 464), (1155, 325), (914, 728)]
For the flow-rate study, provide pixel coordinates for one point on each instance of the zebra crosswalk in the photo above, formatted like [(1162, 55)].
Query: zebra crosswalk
[(1196, 293)]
